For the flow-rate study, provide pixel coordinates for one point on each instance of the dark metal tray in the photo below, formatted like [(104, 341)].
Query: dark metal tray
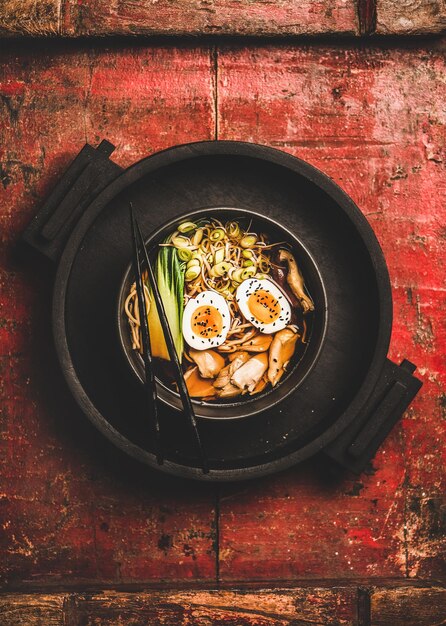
[(353, 394)]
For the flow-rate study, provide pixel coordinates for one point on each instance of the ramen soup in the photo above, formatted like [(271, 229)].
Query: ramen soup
[(237, 307)]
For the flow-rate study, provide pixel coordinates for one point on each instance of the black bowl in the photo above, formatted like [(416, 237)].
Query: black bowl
[(304, 359)]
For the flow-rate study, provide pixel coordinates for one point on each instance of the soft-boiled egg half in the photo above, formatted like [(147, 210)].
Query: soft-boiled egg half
[(206, 320), (263, 304)]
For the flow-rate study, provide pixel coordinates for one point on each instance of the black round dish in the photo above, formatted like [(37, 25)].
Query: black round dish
[(301, 366), (286, 190)]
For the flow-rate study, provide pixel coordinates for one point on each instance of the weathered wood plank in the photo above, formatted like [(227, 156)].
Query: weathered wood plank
[(421, 605), (32, 610), (410, 17), (194, 17), (408, 606), (374, 120), (30, 17), (69, 511), (282, 607), (213, 17), (264, 607), (221, 17)]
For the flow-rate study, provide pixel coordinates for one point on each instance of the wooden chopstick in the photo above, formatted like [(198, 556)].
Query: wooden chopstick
[(179, 378), (149, 385)]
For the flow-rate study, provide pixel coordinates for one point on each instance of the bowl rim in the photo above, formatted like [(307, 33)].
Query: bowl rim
[(150, 240)]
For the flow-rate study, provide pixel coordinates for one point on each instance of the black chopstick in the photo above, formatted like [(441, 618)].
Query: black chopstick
[(179, 378), (150, 385)]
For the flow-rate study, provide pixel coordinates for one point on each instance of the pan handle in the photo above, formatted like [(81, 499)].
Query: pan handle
[(356, 446), (89, 173)]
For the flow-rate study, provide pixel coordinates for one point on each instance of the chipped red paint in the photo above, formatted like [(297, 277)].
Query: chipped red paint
[(65, 516), (372, 118), (378, 128)]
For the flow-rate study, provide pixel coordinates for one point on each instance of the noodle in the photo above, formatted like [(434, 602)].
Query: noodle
[(131, 307)]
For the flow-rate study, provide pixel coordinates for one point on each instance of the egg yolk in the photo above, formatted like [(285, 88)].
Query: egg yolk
[(264, 306), (207, 322)]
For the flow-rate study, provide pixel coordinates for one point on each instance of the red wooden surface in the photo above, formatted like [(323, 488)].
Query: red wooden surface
[(373, 118), (67, 517)]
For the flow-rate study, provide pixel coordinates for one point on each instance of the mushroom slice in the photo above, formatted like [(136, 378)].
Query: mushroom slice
[(228, 391), (223, 378), (197, 386), (209, 362), (296, 281), (237, 360), (259, 343), (249, 374), (260, 385), (281, 351)]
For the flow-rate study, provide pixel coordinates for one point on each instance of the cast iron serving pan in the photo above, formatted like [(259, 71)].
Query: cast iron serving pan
[(343, 397)]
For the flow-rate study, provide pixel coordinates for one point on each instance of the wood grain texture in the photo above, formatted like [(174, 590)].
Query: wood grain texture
[(410, 17), (32, 610), (263, 607), (76, 18), (408, 606), (299, 606), (30, 17), (374, 120), (80, 18), (253, 18), (70, 509), (281, 607), (223, 17)]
